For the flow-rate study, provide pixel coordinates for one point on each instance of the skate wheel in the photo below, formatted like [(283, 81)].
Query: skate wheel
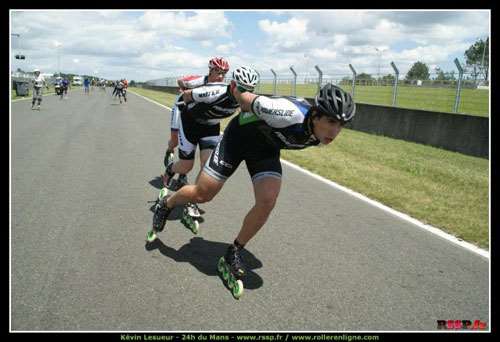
[(231, 282), (237, 289), (163, 193), (151, 236), (225, 273), (196, 227), (220, 265)]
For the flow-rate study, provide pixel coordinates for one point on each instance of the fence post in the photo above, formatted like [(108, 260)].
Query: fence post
[(257, 88), (320, 78), (396, 78), (353, 79), (459, 85), (274, 82), (294, 86)]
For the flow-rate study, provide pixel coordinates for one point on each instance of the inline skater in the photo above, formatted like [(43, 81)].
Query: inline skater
[(38, 82), (58, 87), (86, 84), (194, 129), (264, 127), (124, 89), (115, 89), (184, 83), (119, 90), (65, 85)]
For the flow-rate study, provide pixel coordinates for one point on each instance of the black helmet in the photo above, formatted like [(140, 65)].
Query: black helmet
[(335, 102)]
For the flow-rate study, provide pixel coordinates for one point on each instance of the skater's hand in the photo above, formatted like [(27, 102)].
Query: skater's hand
[(187, 96)]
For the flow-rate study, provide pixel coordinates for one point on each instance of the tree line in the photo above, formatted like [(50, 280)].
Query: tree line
[(476, 66)]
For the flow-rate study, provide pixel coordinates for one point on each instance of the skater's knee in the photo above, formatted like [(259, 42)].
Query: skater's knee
[(203, 195), (266, 202), (184, 166)]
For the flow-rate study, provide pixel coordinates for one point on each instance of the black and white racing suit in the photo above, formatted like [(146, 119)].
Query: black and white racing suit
[(119, 89), (199, 122), (188, 84), (257, 137)]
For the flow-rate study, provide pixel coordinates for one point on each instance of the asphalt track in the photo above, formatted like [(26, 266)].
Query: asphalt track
[(82, 173)]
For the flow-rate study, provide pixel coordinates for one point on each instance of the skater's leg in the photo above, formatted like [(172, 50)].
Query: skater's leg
[(203, 191), (266, 192), (39, 97), (204, 155), (182, 166), (174, 140)]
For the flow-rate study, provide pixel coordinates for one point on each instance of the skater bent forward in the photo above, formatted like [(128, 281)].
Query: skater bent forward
[(264, 127)]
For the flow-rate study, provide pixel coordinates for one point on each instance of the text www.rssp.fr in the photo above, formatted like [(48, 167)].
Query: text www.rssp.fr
[(323, 337)]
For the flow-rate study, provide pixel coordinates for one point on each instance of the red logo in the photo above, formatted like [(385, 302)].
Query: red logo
[(461, 325)]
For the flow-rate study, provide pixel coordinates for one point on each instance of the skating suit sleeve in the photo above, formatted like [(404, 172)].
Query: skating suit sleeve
[(279, 112)]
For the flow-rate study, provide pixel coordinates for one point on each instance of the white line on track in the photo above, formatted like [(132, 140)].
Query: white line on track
[(469, 246)]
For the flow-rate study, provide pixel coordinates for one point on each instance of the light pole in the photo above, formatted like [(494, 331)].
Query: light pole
[(379, 52), (58, 46), (18, 56)]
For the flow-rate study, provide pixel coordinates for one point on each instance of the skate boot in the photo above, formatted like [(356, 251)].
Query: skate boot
[(181, 181), (38, 107), (189, 222), (232, 269), (169, 158), (177, 184), (159, 217), (168, 175), (193, 210)]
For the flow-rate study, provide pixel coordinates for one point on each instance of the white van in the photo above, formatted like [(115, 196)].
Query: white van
[(77, 80)]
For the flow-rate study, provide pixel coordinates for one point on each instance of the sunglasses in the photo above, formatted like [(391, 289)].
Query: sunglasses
[(242, 90), (219, 71)]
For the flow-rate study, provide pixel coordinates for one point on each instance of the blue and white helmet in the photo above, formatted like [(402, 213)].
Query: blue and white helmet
[(246, 77)]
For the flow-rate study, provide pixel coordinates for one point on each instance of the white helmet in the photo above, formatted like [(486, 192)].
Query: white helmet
[(246, 77), (36, 70)]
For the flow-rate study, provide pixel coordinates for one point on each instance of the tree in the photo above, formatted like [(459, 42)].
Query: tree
[(132, 83), (364, 76), (445, 76), (419, 71), (477, 57), (388, 79)]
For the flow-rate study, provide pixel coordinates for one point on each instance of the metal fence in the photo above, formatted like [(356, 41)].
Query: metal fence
[(462, 92)]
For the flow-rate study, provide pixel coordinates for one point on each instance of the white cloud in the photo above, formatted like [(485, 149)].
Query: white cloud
[(225, 48), (202, 25), (323, 53), (155, 44), (290, 34)]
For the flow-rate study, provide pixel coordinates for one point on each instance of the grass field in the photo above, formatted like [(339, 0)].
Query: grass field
[(445, 189), (473, 101)]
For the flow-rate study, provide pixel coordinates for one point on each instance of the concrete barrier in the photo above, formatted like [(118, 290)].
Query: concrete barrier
[(455, 132)]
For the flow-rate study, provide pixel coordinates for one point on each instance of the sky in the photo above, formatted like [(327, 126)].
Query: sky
[(145, 45)]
